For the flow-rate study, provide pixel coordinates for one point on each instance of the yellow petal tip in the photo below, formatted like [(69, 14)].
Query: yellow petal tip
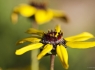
[(18, 52), (87, 33), (20, 42), (38, 57), (14, 17), (67, 67)]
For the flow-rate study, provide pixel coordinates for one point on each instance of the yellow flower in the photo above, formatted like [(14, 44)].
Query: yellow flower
[(39, 12), (53, 42)]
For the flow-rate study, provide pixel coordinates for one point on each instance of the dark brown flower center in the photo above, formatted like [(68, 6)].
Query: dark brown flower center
[(51, 38), (38, 6)]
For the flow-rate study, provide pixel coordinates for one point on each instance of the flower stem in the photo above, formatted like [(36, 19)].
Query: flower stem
[(34, 53), (34, 61), (52, 57)]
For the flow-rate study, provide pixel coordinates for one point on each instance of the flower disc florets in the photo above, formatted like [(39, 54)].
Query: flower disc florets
[(54, 38), (38, 6), (50, 37)]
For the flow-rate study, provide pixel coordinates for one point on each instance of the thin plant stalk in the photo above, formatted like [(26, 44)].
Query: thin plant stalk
[(52, 57), (34, 53), (34, 61)]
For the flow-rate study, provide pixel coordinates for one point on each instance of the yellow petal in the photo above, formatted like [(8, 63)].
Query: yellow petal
[(33, 40), (34, 31), (47, 48), (60, 15), (80, 37), (57, 29), (26, 10), (28, 48), (43, 16), (81, 45), (14, 17), (63, 55)]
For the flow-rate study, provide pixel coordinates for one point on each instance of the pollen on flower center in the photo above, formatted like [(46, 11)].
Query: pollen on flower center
[(39, 6), (51, 38)]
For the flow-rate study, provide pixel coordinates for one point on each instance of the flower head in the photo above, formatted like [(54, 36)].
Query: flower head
[(53, 42), (38, 12)]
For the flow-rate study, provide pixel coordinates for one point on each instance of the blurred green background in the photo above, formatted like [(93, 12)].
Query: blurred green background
[(81, 14)]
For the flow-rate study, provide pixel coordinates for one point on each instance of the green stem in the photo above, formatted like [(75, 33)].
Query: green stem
[(34, 62), (34, 53), (52, 57)]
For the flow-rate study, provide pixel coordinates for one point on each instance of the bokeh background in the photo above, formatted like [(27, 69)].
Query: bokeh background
[(81, 14)]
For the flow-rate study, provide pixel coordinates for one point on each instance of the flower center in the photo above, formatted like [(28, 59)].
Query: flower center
[(38, 6), (54, 38), (51, 38)]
